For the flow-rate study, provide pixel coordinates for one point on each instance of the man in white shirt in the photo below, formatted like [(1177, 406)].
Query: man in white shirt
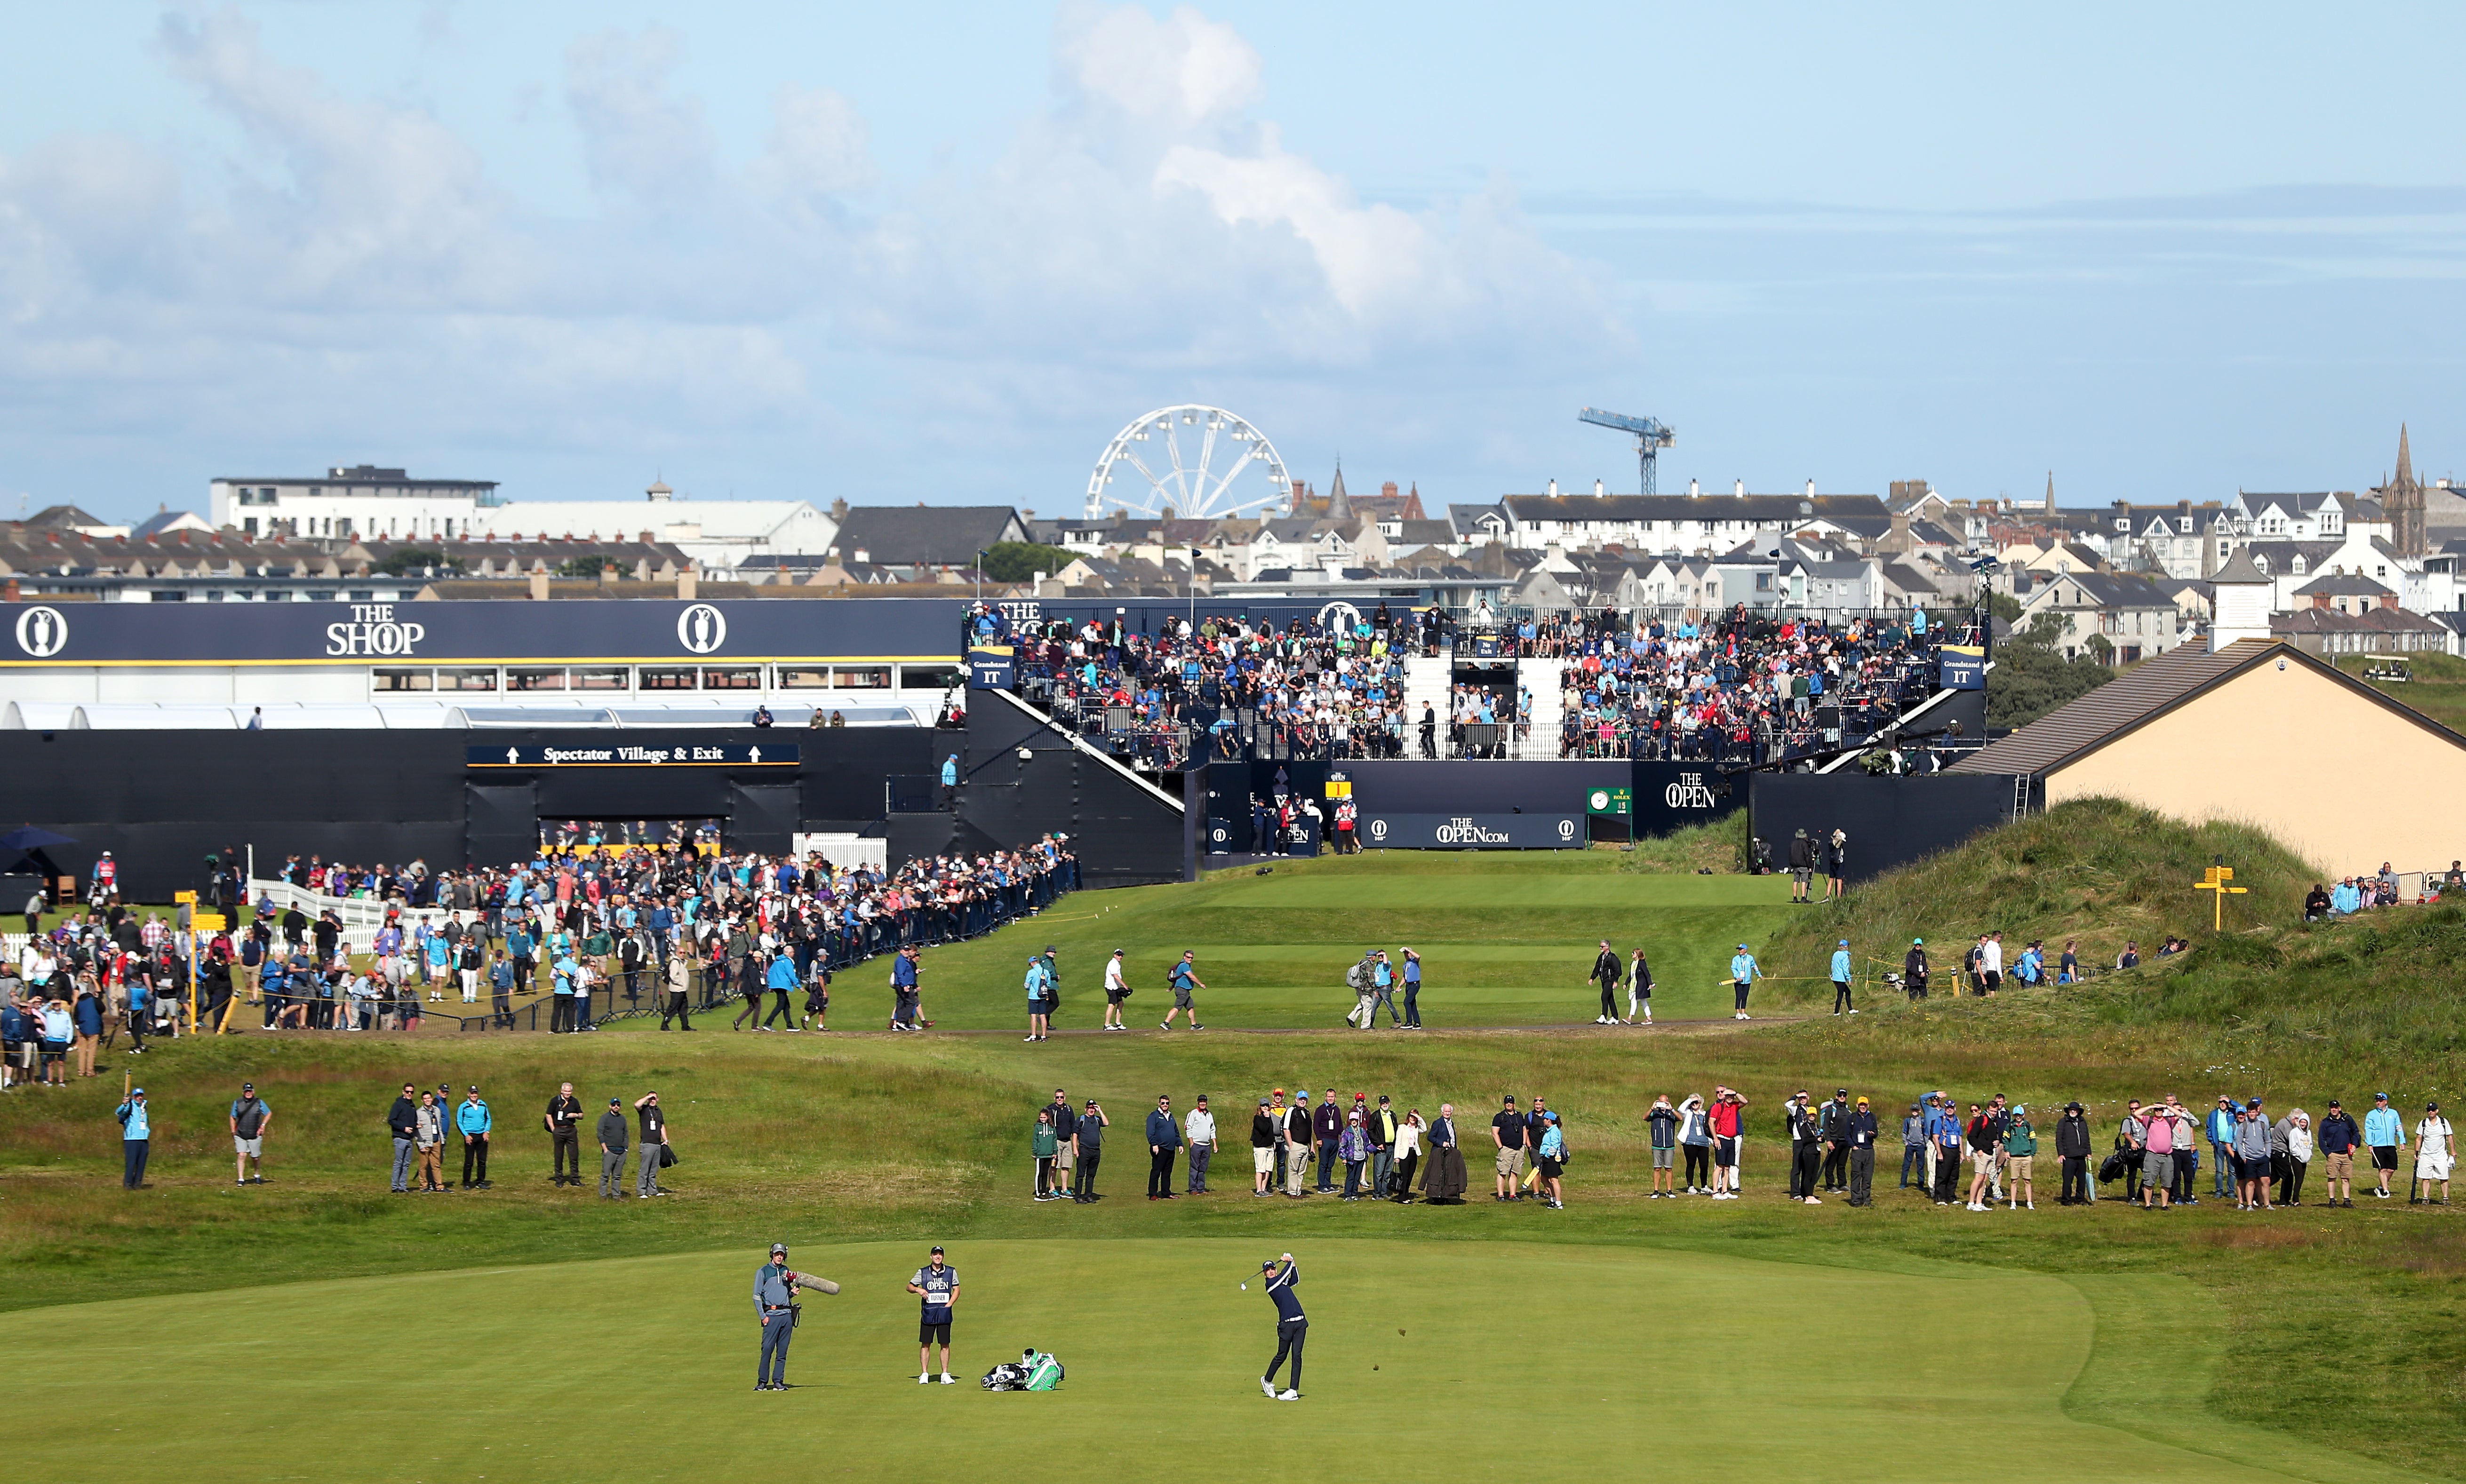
[(1990, 961), (1199, 1136), (1118, 988)]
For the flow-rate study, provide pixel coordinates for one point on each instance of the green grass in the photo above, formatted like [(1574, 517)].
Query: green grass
[(2097, 1343), (1563, 1361), (1505, 940), (2438, 689)]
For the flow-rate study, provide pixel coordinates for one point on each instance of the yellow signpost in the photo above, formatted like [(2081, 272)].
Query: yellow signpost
[(2218, 880)]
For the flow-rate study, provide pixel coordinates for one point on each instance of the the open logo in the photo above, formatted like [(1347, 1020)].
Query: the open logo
[(42, 632), (702, 629)]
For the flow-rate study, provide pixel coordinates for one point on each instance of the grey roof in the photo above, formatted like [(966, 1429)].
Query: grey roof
[(927, 534), (2239, 569), (62, 518), (2147, 692), (2344, 584), (1760, 509), (2114, 589)]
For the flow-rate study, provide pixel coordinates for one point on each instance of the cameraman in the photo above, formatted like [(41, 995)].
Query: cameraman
[(775, 1304)]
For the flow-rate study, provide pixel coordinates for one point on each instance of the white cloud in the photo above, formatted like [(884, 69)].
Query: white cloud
[(641, 140), (352, 265)]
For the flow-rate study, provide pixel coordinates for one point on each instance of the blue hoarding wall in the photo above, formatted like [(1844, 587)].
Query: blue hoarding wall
[(1674, 796), (1473, 831), (570, 630)]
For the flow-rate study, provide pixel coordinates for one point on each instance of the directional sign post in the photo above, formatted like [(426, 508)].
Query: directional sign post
[(2218, 881)]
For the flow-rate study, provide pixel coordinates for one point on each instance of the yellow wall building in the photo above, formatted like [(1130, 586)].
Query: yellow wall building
[(2261, 733)]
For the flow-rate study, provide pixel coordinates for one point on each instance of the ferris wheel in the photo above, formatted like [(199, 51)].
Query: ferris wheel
[(1202, 462)]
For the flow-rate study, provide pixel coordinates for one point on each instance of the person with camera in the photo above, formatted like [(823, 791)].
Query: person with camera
[(775, 1304)]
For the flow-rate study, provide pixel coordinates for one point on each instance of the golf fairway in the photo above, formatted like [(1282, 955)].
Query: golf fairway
[(1426, 1360)]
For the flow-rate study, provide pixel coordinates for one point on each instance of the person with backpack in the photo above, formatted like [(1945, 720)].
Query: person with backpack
[(1184, 979), (1365, 994)]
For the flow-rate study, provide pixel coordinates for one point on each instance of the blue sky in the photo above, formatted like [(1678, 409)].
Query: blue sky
[(941, 253)]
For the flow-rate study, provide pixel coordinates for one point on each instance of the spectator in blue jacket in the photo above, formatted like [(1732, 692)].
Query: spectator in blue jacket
[(2385, 1135), (471, 1120), (2220, 1130), (136, 1139), (1164, 1141), (1841, 979)]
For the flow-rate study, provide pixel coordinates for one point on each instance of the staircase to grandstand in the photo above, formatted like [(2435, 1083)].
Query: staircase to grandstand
[(1425, 684), (1546, 681)]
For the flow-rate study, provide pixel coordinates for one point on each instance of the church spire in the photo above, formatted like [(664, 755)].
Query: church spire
[(1339, 507), (2405, 462), (2050, 492)]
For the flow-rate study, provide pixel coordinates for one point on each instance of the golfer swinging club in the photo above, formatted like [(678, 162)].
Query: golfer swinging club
[(1292, 1326)]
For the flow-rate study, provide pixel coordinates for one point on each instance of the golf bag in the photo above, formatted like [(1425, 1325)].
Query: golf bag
[(1033, 1371), (2111, 1168)]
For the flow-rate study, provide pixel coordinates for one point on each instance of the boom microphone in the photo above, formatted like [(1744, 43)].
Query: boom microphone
[(817, 1285)]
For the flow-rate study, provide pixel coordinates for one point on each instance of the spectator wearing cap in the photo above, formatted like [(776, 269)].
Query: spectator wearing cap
[(2252, 1159), (2435, 1145), (1743, 973), (2219, 1129), (2337, 1137), (251, 1115), (1841, 979), (614, 1141), (1833, 1119), (1088, 1147), (2385, 1135), (1381, 1128), (2071, 1146), (1299, 1142), (472, 1122), (2020, 1159), (1862, 1128), (136, 1140)]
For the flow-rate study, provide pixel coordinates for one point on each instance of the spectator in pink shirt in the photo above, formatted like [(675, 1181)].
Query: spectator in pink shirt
[(2158, 1158)]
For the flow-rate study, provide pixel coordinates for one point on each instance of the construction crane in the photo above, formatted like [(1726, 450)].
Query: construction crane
[(1652, 436)]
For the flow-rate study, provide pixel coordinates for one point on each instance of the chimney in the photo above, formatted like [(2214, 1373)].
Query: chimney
[(1388, 491), (1694, 491), (539, 583), (1810, 489), (840, 511), (1740, 489), (1554, 495), (688, 583), (607, 574)]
